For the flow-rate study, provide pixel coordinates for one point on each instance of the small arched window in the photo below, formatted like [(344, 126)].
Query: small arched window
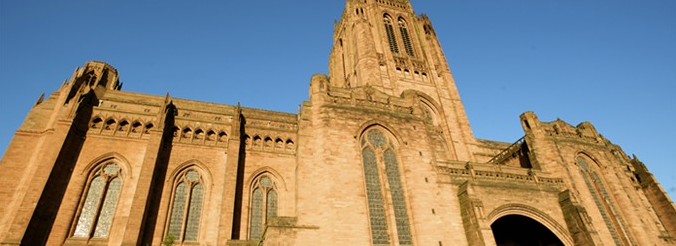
[(264, 200), (389, 29), (406, 37), (123, 126), (98, 205), (96, 123), (186, 206)]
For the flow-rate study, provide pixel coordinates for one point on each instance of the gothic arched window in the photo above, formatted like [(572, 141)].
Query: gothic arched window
[(98, 205), (264, 200), (380, 159), (406, 37), (604, 202), (389, 29), (186, 206)]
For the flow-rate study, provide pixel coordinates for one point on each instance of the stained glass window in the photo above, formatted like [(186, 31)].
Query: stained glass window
[(271, 208), (178, 209), (98, 209), (377, 139), (398, 200), (84, 224), (108, 209), (264, 205), (192, 227), (381, 166), (601, 197), (186, 208), (257, 214), (375, 199)]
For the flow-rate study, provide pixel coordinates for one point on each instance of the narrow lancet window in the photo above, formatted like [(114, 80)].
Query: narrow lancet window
[(389, 29), (186, 207), (97, 210), (406, 37), (398, 200), (375, 198), (264, 205)]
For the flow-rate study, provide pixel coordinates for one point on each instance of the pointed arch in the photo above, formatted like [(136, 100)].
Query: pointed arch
[(388, 130), (148, 126), (210, 135), (534, 214), (389, 31), (110, 156), (110, 124), (96, 209), (199, 134), (431, 109), (279, 144), (260, 171), (410, 93), (257, 141), (204, 171), (603, 199), (405, 36), (268, 143), (222, 136), (264, 193), (96, 123), (190, 183), (588, 156), (123, 122), (136, 127), (290, 145), (379, 150)]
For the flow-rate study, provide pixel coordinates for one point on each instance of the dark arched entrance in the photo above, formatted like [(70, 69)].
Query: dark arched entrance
[(517, 230)]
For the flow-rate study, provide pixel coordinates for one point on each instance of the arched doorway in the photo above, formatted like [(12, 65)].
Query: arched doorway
[(517, 230)]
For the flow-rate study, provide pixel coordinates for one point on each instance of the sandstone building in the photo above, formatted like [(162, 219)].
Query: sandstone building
[(381, 154)]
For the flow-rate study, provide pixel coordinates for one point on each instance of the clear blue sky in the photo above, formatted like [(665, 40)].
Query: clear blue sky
[(612, 63)]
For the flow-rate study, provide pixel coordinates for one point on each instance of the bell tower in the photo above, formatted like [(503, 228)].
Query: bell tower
[(385, 45)]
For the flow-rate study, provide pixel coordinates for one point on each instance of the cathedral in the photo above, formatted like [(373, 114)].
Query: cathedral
[(382, 153)]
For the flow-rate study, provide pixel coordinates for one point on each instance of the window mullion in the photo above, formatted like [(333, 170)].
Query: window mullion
[(186, 208), (83, 199), (387, 195), (265, 208)]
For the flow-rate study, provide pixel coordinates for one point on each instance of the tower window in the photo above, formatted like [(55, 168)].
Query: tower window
[(389, 29), (186, 207), (98, 207), (406, 37), (264, 202)]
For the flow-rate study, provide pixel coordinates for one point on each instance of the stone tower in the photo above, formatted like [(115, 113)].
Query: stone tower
[(383, 45), (381, 154)]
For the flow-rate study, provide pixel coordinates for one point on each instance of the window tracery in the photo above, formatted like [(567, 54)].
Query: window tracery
[(98, 205), (603, 201), (186, 207), (264, 205)]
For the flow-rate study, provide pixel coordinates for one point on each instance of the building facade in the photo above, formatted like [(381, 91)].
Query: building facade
[(381, 154)]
